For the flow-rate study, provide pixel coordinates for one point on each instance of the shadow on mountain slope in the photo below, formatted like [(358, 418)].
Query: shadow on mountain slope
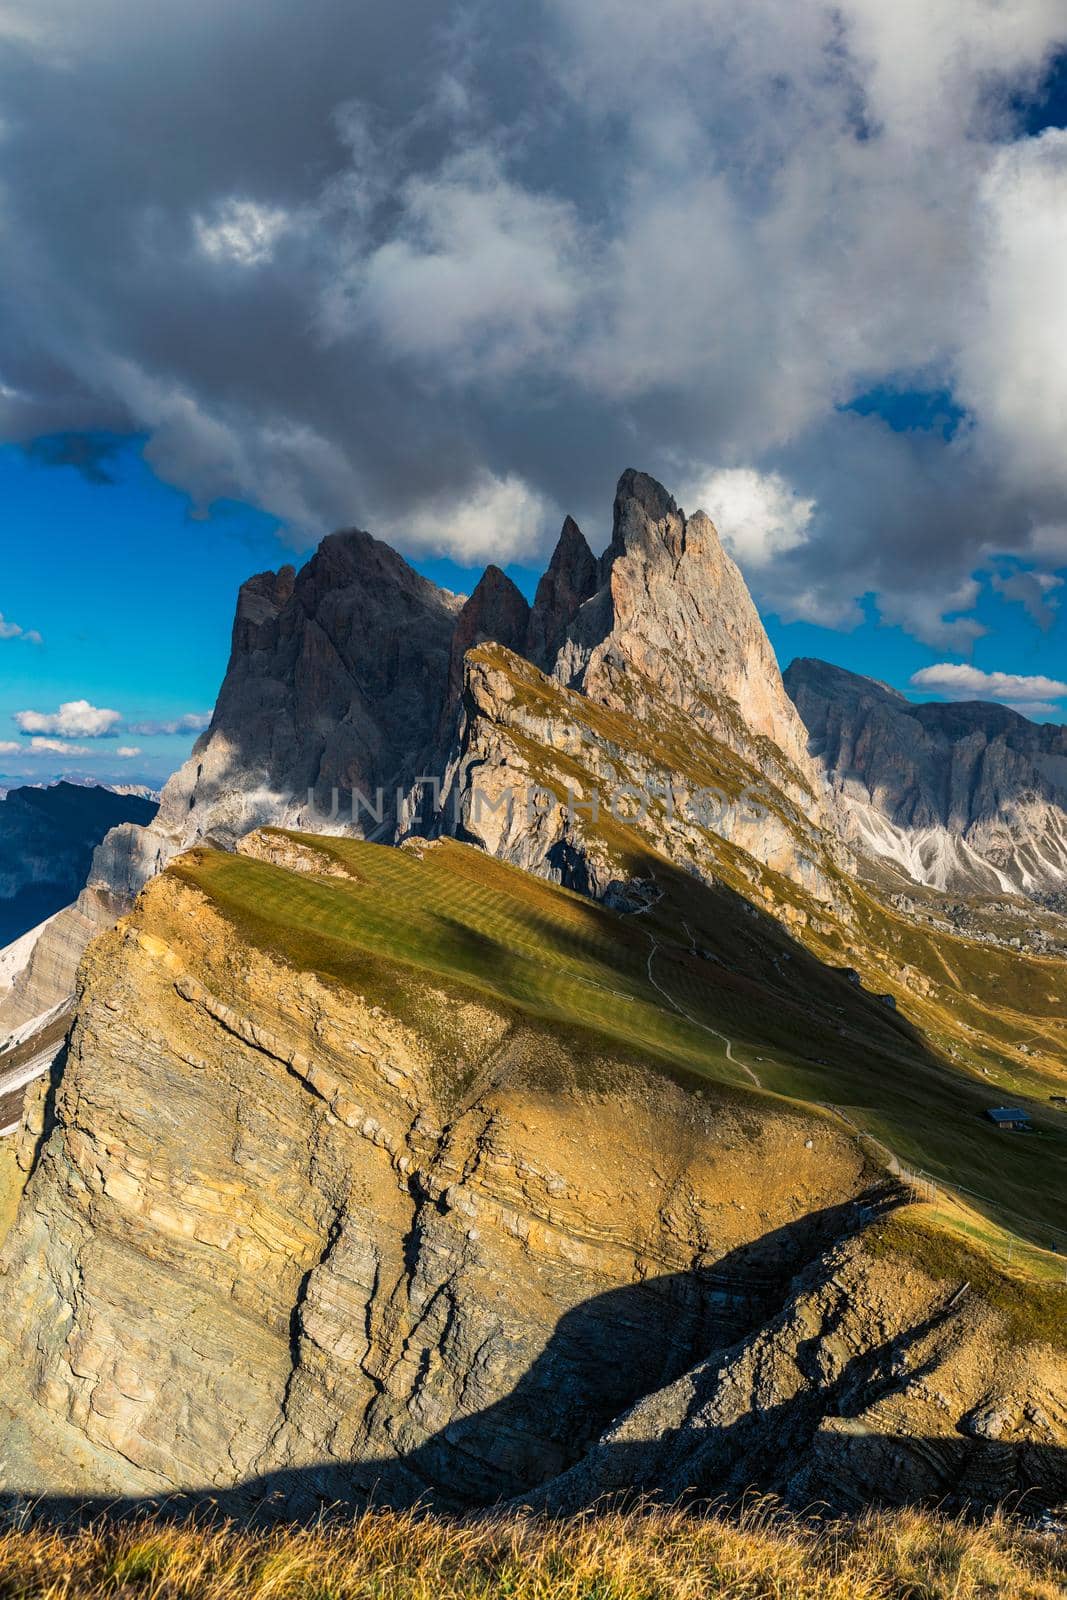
[(628, 1398)]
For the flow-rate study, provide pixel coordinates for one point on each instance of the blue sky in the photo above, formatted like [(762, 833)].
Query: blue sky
[(132, 596)]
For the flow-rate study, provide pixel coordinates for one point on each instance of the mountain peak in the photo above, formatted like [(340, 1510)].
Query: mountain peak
[(810, 673), (648, 493), (643, 514), (496, 610), (569, 580)]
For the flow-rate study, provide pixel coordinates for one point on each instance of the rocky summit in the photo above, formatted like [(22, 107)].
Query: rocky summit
[(594, 1120)]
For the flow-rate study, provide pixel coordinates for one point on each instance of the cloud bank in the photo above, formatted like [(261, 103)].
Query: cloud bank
[(1033, 695), (443, 270), (74, 719)]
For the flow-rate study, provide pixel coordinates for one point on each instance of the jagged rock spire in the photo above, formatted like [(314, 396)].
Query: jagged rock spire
[(496, 610), (570, 579), (674, 608)]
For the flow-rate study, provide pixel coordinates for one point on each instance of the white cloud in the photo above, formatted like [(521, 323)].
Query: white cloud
[(480, 274), (1013, 357), (57, 747), (1034, 708), (500, 519), (12, 630), (11, 747), (126, 752), (241, 232), (188, 722), (757, 515), (961, 682), (74, 719)]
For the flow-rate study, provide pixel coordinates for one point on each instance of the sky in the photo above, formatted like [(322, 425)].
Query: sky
[(442, 270)]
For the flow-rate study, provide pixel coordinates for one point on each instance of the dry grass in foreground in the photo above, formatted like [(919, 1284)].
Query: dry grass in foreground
[(659, 1555)]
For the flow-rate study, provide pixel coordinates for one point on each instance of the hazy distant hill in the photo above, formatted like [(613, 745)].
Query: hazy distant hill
[(47, 838)]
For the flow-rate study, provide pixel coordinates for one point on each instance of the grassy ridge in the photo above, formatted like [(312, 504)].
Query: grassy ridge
[(807, 1034), (663, 1555), (977, 1002)]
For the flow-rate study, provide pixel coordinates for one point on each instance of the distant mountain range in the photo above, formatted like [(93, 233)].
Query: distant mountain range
[(47, 838), (967, 797)]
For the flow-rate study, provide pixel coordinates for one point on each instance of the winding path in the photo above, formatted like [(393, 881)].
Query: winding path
[(671, 1001)]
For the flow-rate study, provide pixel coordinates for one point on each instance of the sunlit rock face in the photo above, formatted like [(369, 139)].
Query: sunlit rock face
[(290, 1241), (674, 609)]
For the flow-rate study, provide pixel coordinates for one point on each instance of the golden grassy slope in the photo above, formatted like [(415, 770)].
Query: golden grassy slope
[(661, 1555)]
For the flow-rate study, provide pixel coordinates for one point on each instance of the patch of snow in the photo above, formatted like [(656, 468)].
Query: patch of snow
[(14, 957), (26, 1030)]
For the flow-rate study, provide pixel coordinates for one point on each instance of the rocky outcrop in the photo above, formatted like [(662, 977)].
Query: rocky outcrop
[(661, 680), (336, 680), (674, 610), (872, 1384), (570, 579), (548, 779), (496, 610), (963, 797)]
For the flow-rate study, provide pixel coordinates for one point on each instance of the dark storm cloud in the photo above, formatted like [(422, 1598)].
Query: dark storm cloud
[(444, 270), (87, 453)]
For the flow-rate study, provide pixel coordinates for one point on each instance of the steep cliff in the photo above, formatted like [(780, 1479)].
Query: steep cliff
[(966, 798), (674, 609), (399, 1173)]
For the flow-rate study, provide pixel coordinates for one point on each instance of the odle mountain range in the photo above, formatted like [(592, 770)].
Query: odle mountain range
[(618, 1131)]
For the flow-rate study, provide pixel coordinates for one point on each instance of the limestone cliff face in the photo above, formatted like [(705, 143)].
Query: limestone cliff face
[(570, 579), (674, 609), (869, 1385), (270, 1228), (662, 674), (302, 1239), (555, 782), (968, 797), (496, 610), (335, 682)]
